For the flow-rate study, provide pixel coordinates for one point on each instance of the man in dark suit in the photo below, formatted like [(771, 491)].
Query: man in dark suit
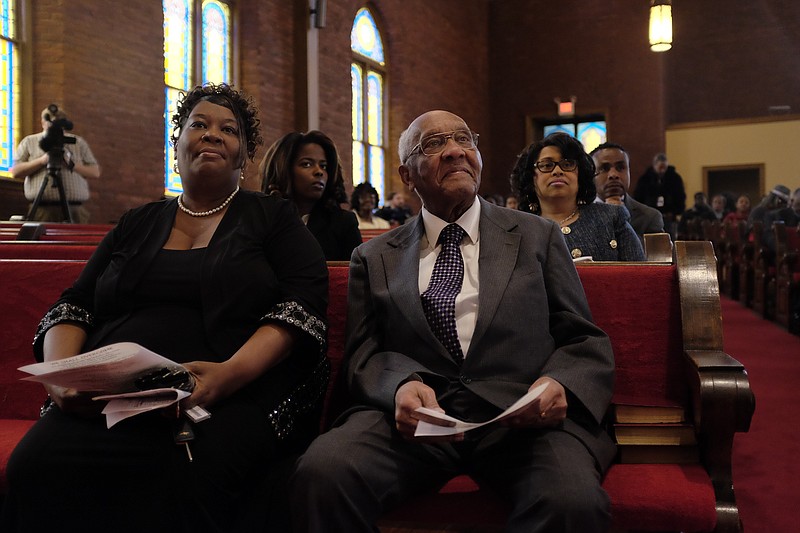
[(613, 180), (520, 321)]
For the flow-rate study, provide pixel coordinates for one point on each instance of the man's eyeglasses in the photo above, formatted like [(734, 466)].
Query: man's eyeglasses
[(547, 166), (436, 143)]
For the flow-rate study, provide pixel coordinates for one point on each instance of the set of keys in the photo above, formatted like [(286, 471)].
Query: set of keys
[(184, 433)]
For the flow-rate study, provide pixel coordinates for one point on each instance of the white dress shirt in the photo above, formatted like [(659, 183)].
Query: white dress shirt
[(467, 299)]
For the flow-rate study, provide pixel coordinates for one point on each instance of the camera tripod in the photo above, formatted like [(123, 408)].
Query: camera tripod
[(55, 157)]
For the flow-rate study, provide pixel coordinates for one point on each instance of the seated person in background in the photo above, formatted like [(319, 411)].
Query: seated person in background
[(700, 210), (554, 178), (778, 198), (719, 205), (304, 167), (364, 200), (742, 211), (790, 216), (79, 163), (613, 179), (513, 318), (512, 202), (230, 284), (395, 209)]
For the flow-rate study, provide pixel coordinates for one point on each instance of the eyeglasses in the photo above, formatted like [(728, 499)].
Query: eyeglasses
[(436, 143), (567, 165)]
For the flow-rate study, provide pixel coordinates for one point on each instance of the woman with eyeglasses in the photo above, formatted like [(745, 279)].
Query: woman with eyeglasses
[(554, 178)]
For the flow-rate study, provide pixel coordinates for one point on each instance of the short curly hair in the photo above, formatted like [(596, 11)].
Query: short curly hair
[(363, 188), (522, 176), (243, 109)]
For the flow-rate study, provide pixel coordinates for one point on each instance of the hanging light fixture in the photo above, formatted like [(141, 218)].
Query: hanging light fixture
[(660, 25)]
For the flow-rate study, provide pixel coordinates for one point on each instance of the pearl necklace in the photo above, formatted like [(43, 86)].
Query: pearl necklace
[(569, 217), (222, 206)]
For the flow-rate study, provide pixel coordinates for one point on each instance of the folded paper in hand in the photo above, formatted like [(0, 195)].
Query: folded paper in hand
[(112, 369), (426, 429)]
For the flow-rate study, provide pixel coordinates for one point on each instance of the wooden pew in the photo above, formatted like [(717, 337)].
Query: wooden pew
[(668, 351), (763, 273), (734, 243), (72, 250), (677, 358), (786, 285)]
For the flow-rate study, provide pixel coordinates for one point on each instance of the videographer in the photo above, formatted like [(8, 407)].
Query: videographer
[(31, 163)]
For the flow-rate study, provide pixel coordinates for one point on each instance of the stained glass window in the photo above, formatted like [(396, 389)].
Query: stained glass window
[(590, 133), (367, 74), (180, 55), (9, 85), (216, 41)]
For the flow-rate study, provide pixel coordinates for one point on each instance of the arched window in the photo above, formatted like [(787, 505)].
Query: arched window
[(368, 74), (188, 42), (9, 84)]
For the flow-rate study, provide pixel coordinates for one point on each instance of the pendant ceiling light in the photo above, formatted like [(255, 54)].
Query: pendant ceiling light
[(660, 25)]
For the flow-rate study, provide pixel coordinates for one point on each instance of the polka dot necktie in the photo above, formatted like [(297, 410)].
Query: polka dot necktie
[(439, 299)]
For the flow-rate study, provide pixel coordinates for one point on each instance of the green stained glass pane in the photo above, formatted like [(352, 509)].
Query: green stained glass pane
[(376, 169), (177, 43), (375, 108), (172, 184), (592, 134), (359, 176), (365, 38), (216, 42), (566, 128), (358, 102)]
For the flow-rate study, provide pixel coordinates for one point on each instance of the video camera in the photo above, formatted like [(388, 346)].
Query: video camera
[(54, 139)]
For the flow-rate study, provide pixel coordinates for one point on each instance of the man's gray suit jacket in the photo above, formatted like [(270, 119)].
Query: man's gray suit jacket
[(644, 218), (533, 320)]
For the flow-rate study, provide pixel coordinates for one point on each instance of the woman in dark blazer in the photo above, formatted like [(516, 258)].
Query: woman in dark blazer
[(304, 167)]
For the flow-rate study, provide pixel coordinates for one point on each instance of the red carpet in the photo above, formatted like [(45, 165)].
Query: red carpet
[(766, 461)]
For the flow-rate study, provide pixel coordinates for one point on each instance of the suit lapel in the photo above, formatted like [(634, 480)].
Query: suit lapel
[(498, 257), (401, 264)]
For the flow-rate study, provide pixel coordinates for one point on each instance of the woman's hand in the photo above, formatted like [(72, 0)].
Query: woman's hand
[(213, 382), (548, 410), (78, 403)]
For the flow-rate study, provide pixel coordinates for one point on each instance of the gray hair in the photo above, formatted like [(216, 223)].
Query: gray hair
[(404, 145)]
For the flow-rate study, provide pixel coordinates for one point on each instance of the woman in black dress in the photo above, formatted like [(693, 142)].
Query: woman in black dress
[(305, 168), (225, 281)]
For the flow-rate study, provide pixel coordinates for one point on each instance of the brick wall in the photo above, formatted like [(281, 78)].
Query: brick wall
[(494, 63)]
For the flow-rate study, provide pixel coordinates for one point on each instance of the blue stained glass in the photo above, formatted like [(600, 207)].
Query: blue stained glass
[(566, 128), (376, 166), (216, 39), (359, 175), (358, 103), (6, 18), (173, 185), (365, 38), (592, 134), (374, 107)]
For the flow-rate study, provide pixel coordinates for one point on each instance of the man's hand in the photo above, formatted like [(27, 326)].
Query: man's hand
[(407, 398), (548, 410)]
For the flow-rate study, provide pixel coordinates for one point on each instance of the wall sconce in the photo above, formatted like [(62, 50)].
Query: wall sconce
[(660, 25)]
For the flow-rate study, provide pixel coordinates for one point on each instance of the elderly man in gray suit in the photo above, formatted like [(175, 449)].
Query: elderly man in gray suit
[(519, 320), (613, 179)]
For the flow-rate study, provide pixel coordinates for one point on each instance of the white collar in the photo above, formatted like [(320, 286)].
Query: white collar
[(469, 222)]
